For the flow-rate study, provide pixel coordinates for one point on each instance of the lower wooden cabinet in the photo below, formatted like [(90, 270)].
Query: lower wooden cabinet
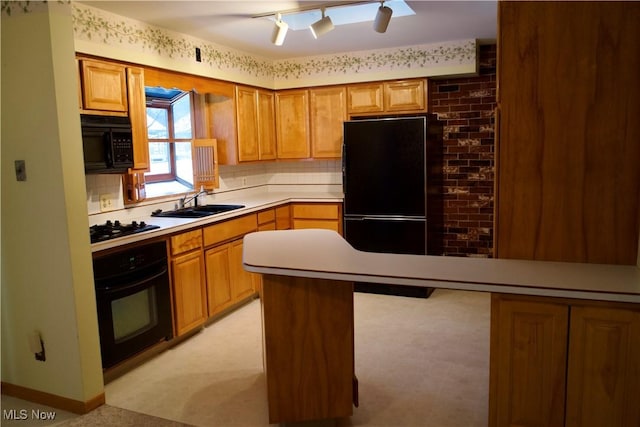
[(283, 217), (317, 215), (227, 282), (557, 362), (189, 291), (219, 292)]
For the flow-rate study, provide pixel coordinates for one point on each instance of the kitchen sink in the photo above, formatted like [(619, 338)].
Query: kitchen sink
[(196, 211)]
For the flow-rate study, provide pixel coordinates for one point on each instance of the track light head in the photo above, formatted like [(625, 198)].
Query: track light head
[(322, 26), (383, 17), (279, 31)]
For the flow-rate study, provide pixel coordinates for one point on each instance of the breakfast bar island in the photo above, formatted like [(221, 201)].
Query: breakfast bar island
[(565, 337)]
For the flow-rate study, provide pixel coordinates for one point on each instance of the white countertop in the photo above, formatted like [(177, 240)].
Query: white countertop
[(325, 254), (252, 203)]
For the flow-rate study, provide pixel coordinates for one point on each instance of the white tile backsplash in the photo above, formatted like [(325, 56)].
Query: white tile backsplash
[(235, 177), (103, 184)]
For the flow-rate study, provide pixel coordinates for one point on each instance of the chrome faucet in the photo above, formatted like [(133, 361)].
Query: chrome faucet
[(183, 201)]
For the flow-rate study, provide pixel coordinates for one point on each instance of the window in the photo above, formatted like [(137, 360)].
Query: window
[(169, 131)]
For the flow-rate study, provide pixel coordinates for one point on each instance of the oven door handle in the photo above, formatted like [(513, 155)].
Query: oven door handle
[(107, 290)]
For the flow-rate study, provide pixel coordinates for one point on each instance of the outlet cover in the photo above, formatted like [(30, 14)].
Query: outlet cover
[(106, 202)]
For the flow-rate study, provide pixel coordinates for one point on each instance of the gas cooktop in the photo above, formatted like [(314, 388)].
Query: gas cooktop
[(112, 230)]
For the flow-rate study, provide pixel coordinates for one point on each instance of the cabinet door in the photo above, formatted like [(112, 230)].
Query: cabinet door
[(527, 363), (219, 292), (292, 124), (365, 98), (247, 117), (266, 125), (189, 292), (604, 367), (104, 86), (242, 282), (328, 111), (405, 95), (283, 217), (138, 117)]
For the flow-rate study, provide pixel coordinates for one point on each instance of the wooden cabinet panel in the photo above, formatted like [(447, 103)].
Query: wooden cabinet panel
[(266, 216), (266, 125), (292, 124), (186, 241), (317, 215), (189, 291), (316, 223), (247, 118), (405, 95), (138, 117), (104, 86), (311, 377), (316, 210), (328, 111), (561, 362), (283, 217), (230, 229), (528, 363), (568, 180), (242, 282), (604, 367), (365, 98), (219, 293)]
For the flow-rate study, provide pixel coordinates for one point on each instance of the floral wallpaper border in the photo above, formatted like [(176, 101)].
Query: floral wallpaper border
[(95, 25)]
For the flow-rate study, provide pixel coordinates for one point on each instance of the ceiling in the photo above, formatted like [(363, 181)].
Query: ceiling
[(232, 24)]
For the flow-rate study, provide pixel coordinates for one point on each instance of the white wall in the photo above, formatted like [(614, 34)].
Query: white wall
[(47, 278)]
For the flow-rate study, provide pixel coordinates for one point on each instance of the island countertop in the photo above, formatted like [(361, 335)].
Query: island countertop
[(325, 254)]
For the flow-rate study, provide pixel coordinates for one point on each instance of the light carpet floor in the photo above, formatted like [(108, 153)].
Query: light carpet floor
[(419, 362)]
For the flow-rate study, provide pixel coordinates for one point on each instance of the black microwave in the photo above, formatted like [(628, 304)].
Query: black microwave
[(107, 142)]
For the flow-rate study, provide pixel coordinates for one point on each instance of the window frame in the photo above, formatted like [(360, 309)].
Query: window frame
[(167, 104)]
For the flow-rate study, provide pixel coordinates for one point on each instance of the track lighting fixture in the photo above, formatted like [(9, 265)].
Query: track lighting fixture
[(279, 31), (322, 26), (383, 17)]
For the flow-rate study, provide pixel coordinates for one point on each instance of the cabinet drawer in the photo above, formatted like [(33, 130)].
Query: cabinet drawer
[(266, 216), (229, 229), (316, 211), (317, 223), (185, 242)]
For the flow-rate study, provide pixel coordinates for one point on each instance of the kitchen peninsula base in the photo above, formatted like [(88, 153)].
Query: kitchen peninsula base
[(308, 348), (564, 336)]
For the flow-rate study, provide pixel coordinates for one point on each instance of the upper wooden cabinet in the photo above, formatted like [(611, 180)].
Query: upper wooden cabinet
[(138, 117), (405, 95), (292, 124), (327, 113), (365, 98), (104, 86), (567, 151), (398, 96), (266, 125), (256, 124)]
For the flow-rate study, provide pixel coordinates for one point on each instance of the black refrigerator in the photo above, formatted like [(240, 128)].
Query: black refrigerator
[(392, 189)]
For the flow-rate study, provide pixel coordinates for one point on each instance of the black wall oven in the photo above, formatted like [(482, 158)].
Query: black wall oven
[(133, 301)]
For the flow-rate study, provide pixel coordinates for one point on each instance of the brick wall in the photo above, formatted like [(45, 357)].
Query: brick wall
[(466, 106)]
